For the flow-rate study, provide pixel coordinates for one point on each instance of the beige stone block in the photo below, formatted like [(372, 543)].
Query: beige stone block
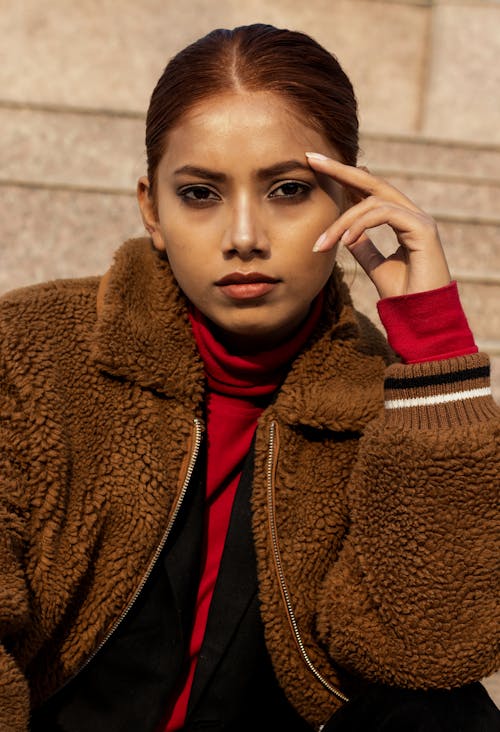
[(470, 3), (53, 234), (90, 53), (471, 249), (492, 685), (412, 2), (429, 158), (480, 303), (71, 149), (493, 682), (463, 100), (451, 197)]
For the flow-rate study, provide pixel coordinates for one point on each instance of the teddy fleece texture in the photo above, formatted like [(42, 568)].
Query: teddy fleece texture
[(375, 529)]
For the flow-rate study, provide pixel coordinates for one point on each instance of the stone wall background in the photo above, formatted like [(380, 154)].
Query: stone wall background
[(75, 80)]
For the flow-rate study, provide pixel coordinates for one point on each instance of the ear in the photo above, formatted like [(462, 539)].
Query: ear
[(149, 213)]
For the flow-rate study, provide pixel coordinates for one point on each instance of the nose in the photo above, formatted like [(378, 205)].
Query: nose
[(245, 235)]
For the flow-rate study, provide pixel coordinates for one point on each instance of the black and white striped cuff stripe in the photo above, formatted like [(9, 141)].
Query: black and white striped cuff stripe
[(437, 388)]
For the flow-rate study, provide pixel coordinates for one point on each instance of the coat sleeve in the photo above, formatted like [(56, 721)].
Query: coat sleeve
[(14, 613), (413, 599)]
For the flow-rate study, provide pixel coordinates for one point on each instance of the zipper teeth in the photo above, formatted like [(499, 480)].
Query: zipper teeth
[(281, 575), (189, 472), (159, 548)]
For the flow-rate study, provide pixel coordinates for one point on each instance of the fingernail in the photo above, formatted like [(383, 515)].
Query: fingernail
[(345, 238), (316, 156), (321, 240)]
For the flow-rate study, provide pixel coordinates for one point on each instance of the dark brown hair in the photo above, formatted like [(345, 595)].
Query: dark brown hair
[(255, 58)]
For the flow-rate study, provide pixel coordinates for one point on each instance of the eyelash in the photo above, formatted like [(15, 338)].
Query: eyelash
[(303, 190), (183, 193)]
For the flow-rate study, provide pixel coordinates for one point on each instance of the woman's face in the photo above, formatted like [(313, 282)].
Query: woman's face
[(238, 210)]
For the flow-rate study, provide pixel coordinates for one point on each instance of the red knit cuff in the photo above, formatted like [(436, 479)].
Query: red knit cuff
[(427, 326)]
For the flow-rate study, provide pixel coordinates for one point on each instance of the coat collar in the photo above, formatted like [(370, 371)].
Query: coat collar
[(143, 335), (336, 383)]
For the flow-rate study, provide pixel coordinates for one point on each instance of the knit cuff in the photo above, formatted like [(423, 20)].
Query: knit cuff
[(439, 394), (427, 326)]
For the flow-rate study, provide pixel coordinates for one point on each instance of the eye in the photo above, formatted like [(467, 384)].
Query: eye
[(291, 189), (197, 195)]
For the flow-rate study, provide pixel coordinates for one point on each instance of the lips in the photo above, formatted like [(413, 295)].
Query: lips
[(245, 278), (246, 285)]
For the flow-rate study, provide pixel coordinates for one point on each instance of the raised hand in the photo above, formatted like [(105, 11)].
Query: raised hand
[(417, 264)]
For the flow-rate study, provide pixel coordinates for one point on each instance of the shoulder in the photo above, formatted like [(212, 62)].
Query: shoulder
[(46, 293), (41, 303), (44, 318)]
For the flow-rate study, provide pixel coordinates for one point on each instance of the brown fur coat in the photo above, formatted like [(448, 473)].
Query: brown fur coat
[(373, 529)]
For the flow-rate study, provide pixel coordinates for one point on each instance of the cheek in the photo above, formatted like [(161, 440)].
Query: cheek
[(322, 266), (178, 240), (190, 232), (310, 272), (315, 262), (317, 219)]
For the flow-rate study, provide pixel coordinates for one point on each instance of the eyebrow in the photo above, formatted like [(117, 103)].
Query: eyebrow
[(273, 171)]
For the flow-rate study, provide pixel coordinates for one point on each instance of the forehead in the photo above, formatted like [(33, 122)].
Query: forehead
[(242, 126)]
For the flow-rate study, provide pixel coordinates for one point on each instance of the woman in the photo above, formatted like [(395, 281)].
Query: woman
[(209, 519)]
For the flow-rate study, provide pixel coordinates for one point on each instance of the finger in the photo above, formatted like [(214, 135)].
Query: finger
[(387, 273), (341, 226), (413, 232), (358, 178), (371, 212), (366, 254)]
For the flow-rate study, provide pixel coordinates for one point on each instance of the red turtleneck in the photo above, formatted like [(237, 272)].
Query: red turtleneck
[(422, 327), (239, 387)]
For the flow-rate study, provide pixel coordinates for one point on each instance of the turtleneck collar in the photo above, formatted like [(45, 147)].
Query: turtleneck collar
[(142, 334), (249, 375)]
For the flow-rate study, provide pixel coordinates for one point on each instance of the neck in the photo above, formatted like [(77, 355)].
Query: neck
[(249, 370), (250, 344)]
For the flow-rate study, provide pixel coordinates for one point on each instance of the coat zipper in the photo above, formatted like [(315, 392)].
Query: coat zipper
[(271, 466), (198, 430)]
